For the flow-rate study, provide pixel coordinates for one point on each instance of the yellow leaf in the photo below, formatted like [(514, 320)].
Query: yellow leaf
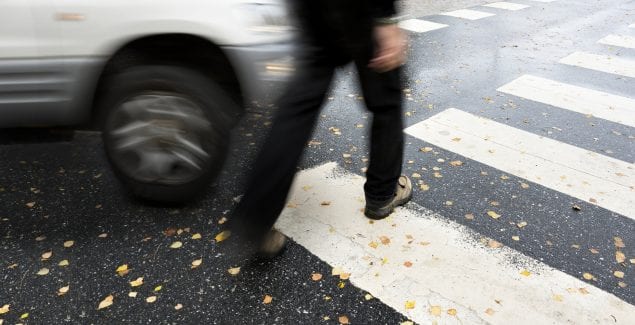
[(620, 257), (4, 309), (69, 243), (223, 235), (151, 299), (197, 263), (345, 276), (373, 244), (368, 296), (588, 276), (107, 302), (384, 261), (493, 214), (43, 271), (452, 312), (515, 238), (619, 274), (343, 320), (435, 310), (424, 187), (525, 273), (410, 304), (197, 236), (63, 263), (178, 306), (234, 271), (137, 282), (24, 316), (122, 268), (267, 299), (47, 255), (557, 297), (63, 290), (341, 285), (158, 288), (176, 244), (316, 276), (132, 294)]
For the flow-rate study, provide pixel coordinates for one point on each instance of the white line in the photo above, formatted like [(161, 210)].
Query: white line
[(631, 26), (420, 26), (451, 267), (468, 14), (582, 100), (604, 63), (588, 176), (619, 40), (545, 1), (506, 6)]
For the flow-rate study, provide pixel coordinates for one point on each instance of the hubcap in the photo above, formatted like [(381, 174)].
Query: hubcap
[(158, 138)]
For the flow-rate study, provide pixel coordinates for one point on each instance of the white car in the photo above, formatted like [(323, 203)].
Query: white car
[(164, 80)]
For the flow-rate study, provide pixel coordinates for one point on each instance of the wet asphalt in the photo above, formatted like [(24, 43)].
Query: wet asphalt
[(55, 189)]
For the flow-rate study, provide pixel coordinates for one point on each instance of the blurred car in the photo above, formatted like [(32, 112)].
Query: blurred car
[(164, 80)]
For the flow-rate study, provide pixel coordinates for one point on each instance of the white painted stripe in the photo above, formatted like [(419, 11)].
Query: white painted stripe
[(631, 26), (588, 176), (543, 0), (604, 63), (619, 40), (581, 100), (468, 14), (506, 5), (420, 26), (454, 271)]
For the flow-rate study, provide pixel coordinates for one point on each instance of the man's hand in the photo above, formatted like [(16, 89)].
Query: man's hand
[(391, 48)]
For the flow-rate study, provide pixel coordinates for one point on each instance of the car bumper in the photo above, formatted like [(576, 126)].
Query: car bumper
[(262, 70)]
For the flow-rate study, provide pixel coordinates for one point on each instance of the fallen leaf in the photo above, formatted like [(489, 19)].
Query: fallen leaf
[(632, 260), (490, 311), (515, 238), (345, 276), (178, 307), (197, 236), (69, 243), (132, 294), (456, 163), (410, 304), (504, 177), (107, 302), (452, 312), (424, 187), (24, 316), (63, 290), (223, 235), (122, 270), (176, 244), (47, 255), (373, 244), (594, 251), (267, 299), (43, 271), (622, 284), (341, 285), (592, 200), (557, 298), (495, 203), (30, 205), (456, 139), (158, 288), (63, 263), (620, 257), (40, 238), (425, 149), (524, 185), (407, 323), (619, 243), (316, 276), (222, 220), (588, 276), (576, 246), (137, 282), (343, 320), (416, 175), (325, 203), (4, 309), (522, 224), (170, 231), (197, 263), (151, 299), (494, 244), (619, 274), (337, 271), (469, 216), (493, 214), (104, 235), (384, 240), (576, 207), (437, 175), (368, 296), (407, 264), (435, 310), (525, 273), (233, 271), (449, 203)]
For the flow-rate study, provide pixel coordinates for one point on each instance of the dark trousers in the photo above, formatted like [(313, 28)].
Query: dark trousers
[(298, 111)]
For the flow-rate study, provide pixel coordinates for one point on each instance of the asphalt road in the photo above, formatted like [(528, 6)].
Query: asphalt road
[(55, 190)]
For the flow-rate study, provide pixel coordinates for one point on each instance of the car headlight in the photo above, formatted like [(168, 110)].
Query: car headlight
[(265, 17)]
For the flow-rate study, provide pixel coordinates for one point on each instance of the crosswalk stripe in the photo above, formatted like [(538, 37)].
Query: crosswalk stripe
[(450, 267), (506, 5), (604, 63), (588, 176), (578, 99), (420, 26), (543, 0), (468, 14), (619, 40), (631, 26)]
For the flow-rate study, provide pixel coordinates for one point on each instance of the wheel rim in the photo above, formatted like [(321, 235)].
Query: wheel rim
[(160, 138)]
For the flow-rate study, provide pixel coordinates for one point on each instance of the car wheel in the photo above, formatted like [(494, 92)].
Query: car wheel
[(165, 130)]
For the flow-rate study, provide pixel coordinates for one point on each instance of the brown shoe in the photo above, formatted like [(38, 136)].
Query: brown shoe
[(273, 244), (380, 210)]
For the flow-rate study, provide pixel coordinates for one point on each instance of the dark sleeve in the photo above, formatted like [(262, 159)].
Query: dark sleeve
[(383, 8)]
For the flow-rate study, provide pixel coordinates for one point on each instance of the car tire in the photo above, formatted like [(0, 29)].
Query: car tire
[(165, 130)]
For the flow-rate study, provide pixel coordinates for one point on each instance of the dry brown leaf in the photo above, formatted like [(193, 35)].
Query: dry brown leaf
[(233, 271), (494, 244), (469, 216), (151, 299), (176, 244), (47, 255), (495, 203), (620, 257), (223, 235), (267, 299), (456, 163), (325, 203), (107, 302), (524, 185), (384, 240), (632, 260), (373, 244), (504, 177), (490, 311), (410, 304), (343, 320), (619, 243), (69, 243), (493, 214), (63, 290), (197, 236), (137, 282), (457, 139), (63, 263), (588, 276), (407, 264), (435, 310), (43, 271), (522, 224), (170, 231), (619, 274), (583, 291), (594, 251), (197, 263), (316, 276)]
